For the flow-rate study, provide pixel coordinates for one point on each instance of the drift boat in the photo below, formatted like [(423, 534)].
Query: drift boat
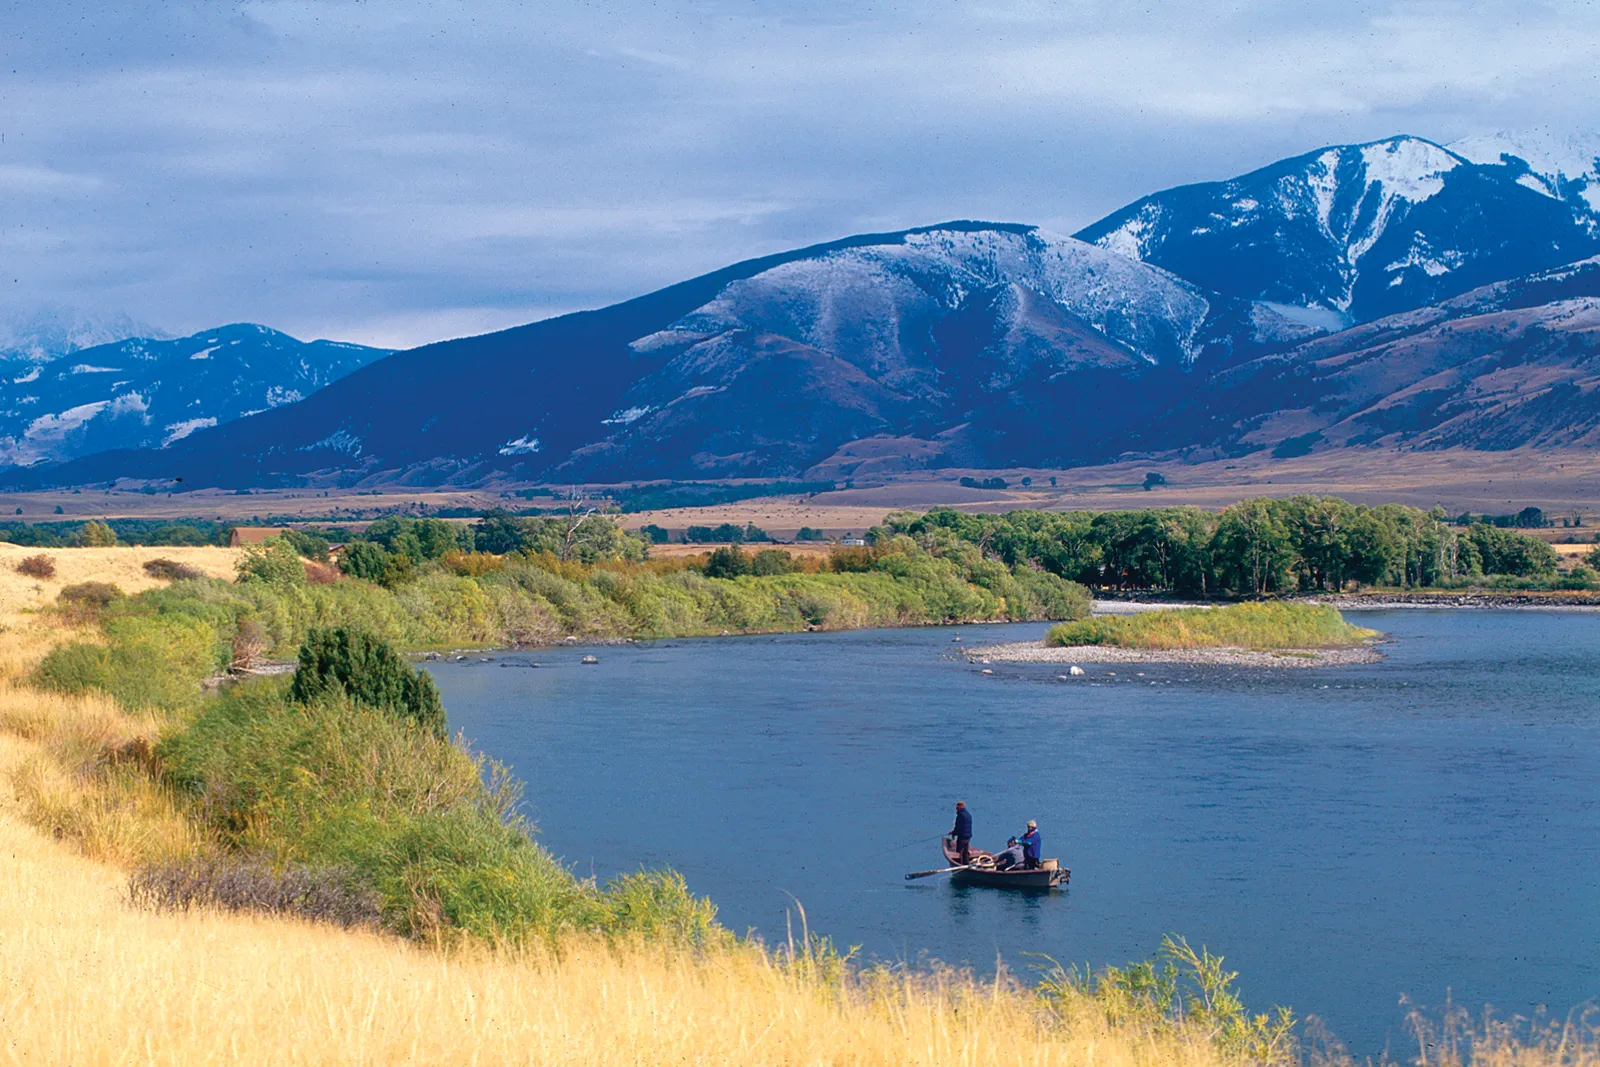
[(981, 871)]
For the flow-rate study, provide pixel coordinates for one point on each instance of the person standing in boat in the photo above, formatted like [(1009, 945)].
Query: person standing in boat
[(962, 832), (1031, 846)]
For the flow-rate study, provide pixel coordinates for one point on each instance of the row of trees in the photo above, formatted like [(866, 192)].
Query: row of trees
[(1253, 548)]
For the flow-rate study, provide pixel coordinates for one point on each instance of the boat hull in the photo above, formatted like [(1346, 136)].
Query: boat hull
[(1040, 879), (1049, 876)]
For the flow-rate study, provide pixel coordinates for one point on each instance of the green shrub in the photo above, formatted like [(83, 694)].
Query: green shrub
[(374, 563), (430, 830), (171, 571), (368, 670), (274, 562), (727, 562), (148, 661), (771, 561)]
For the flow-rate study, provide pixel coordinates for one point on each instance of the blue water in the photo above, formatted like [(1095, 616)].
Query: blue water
[(1428, 826)]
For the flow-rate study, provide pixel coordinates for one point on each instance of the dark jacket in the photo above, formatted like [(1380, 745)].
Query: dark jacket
[(963, 827), (1030, 845)]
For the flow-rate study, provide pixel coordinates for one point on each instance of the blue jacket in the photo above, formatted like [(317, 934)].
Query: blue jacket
[(1030, 845), (963, 826)]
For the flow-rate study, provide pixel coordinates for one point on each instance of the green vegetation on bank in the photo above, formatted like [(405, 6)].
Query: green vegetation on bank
[(337, 794), (1253, 626), (372, 804), (1255, 548)]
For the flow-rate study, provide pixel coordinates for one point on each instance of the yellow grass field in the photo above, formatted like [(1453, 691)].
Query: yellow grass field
[(122, 566)]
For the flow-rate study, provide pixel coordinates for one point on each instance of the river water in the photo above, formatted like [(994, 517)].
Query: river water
[(1426, 827)]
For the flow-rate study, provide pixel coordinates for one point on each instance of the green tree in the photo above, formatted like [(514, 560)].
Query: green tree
[(273, 562), (96, 534), (727, 562), (374, 563), (1252, 548), (368, 670)]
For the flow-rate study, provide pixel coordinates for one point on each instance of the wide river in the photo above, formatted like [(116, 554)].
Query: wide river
[(1426, 827)]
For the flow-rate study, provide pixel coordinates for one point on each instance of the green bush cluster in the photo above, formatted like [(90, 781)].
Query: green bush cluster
[(334, 783), (367, 670), (1254, 548)]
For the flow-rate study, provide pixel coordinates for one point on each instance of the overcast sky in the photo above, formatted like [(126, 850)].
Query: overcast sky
[(396, 172)]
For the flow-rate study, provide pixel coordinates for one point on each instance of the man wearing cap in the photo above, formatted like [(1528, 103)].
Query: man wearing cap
[(962, 832), (1031, 848)]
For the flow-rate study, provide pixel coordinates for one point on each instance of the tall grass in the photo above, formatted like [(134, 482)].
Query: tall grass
[(1254, 626)]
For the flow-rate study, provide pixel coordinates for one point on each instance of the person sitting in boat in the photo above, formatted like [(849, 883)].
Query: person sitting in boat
[(1031, 847), (1011, 857), (962, 831)]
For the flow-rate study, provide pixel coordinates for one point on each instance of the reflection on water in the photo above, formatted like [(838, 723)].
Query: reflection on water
[(1423, 825)]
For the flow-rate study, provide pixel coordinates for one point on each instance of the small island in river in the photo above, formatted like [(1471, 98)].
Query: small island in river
[(1245, 635)]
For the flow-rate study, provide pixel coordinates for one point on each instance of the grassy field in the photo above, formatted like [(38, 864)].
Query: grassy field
[(122, 566), (1252, 626)]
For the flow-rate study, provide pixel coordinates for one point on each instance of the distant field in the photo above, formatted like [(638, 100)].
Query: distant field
[(122, 566), (1562, 482)]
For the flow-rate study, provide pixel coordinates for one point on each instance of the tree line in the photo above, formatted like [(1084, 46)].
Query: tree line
[(1254, 548)]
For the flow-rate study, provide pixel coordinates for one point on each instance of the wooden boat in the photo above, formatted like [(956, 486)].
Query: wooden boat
[(981, 871)]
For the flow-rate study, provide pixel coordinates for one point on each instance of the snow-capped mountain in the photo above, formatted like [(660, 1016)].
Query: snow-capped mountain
[(1337, 293), (148, 393), (43, 334), (1507, 365), (1564, 166), (966, 337), (1360, 231)]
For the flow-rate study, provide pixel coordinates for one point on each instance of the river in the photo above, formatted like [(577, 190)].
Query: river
[(1425, 827)]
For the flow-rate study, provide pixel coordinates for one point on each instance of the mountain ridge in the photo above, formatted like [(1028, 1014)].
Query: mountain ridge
[(989, 344)]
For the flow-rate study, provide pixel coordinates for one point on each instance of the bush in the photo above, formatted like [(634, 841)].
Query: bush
[(771, 561), (171, 571), (366, 669), (148, 661), (312, 546), (335, 787), (42, 565), (87, 600), (274, 562), (728, 562), (323, 894), (320, 573), (374, 563), (472, 564)]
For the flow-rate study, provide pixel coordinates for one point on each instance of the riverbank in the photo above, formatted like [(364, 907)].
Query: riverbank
[(1031, 652), (1533, 599)]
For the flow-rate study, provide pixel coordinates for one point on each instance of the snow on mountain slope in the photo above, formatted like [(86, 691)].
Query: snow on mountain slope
[(874, 305), (1362, 230), (143, 393), (1565, 166), (43, 334)]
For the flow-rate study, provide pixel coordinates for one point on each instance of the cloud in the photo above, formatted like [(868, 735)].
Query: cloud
[(405, 170)]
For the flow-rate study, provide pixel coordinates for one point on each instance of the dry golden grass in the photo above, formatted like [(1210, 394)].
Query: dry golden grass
[(122, 566), (90, 981)]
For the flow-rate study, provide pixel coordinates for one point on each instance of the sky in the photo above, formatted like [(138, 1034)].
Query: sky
[(395, 172)]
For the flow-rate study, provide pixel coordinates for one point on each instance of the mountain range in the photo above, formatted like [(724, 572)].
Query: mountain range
[(1400, 293), (149, 393)]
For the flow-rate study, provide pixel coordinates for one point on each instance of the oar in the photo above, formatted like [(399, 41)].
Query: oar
[(941, 870)]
